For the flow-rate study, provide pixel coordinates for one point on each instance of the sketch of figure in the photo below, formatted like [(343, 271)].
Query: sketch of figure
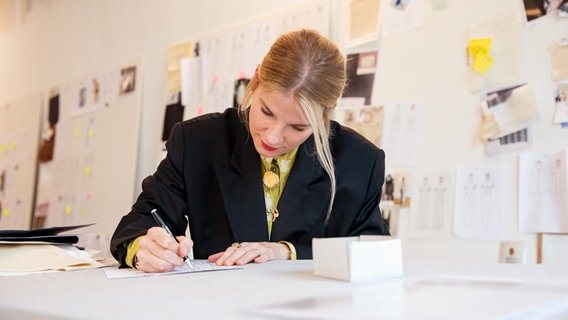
[(486, 199), (536, 188), (558, 188), (407, 147), (557, 177), (422, 220), (439, 202), (469, 200)]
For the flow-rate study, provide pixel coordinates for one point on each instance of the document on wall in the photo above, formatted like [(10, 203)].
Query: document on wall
[(198, 266), (543, 200)]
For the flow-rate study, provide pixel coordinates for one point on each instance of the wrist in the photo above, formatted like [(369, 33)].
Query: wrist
[(291, 250)]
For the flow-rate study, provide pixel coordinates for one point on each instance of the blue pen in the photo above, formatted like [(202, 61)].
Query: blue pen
[(162, 224)]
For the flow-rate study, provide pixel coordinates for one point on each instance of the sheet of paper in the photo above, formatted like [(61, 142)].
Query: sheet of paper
[(198, 266), (432, 205), (364, 21), (505, 69), (559, 59), (402, 132), (543, 201), (43, 257), (398, 19), (479, 201), (507, 111)]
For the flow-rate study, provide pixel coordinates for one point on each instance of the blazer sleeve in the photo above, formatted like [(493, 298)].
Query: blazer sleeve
[(368, 220), (164, 191)]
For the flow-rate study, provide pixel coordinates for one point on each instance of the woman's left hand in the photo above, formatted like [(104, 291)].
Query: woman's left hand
[(245, 252)]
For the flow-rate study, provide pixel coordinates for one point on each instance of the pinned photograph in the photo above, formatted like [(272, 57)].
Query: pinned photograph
[(127, 80)]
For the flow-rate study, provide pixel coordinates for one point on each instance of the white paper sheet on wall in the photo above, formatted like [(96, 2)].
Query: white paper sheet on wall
[(432, 206), (479, 202), (543, 193), (503, 30)]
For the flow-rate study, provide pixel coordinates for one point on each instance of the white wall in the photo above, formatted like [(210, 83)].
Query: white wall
[(66, 39)]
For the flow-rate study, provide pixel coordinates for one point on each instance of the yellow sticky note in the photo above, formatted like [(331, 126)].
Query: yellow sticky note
[(2, 148), (84, 211), (6, 212), (13, 145), (67, 209), (90, 133), (87, 170), (479, 50)]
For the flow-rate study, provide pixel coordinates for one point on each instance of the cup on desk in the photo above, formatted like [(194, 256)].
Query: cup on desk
[(96, 244)]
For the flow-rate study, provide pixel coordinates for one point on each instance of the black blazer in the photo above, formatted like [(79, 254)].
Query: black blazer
[(211, 176)]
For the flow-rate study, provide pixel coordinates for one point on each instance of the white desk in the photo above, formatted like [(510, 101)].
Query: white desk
[(427, 291)]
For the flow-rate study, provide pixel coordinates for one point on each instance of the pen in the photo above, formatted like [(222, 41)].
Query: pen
[(162, 224)]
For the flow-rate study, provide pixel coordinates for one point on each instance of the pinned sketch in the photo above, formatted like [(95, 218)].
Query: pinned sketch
[(543, 192), (559, 58), (479, 201), (367, 121), (402, 127), (364, 21), (401, 16), (504, 68), (432, 205)]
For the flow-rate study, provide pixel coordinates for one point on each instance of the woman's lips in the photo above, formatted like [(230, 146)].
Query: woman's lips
[(267, 147)]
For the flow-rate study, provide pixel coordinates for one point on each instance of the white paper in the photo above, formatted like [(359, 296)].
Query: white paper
[(479, 202), (504, 51), (402, 129), (198, 266), (543, 194), (397, 20), (432, 205)]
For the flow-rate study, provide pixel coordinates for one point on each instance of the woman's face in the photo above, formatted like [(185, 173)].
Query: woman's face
[(277, 125)]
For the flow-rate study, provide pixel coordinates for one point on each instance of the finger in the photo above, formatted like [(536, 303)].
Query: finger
[(246, 253), (156, 258), (229, 256), (257, 252), (163, 238), (148, 262), (215, 257), (185, 245)]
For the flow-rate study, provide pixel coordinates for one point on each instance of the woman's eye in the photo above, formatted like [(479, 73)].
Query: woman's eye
[(299, 128), (266, 111)]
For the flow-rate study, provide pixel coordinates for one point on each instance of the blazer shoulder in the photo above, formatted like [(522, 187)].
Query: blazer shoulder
[(212, 120)]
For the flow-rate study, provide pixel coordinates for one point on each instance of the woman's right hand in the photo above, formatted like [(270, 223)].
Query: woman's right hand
[(159, 252)]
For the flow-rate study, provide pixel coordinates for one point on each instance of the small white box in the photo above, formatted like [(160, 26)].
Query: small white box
[(357, 258)]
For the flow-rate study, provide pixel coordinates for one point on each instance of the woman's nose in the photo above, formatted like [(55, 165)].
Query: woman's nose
[(275, 135)]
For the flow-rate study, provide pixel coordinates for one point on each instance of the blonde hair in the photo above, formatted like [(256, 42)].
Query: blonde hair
[(311, 68)]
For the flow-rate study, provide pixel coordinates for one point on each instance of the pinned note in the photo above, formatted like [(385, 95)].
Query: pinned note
[(479, 50)]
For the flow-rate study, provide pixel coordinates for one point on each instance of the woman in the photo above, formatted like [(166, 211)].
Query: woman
[(258, 183)]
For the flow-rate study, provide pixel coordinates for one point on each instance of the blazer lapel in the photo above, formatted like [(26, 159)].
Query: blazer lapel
[(303, 203), (241, 188)]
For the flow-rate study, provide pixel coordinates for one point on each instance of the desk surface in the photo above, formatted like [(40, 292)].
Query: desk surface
[(289, 289)]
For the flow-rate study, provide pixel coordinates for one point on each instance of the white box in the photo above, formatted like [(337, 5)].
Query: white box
[(357, 258)]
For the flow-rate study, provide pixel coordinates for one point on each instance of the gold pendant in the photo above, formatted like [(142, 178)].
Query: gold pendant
[(270, 179), (275, 214)]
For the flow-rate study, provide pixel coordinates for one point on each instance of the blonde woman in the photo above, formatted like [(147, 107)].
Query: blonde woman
[(258, 183)]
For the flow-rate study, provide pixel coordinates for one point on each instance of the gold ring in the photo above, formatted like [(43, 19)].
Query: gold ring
[(236, 245)]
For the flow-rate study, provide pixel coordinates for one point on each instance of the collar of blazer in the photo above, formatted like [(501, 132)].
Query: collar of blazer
[(303, 202)]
